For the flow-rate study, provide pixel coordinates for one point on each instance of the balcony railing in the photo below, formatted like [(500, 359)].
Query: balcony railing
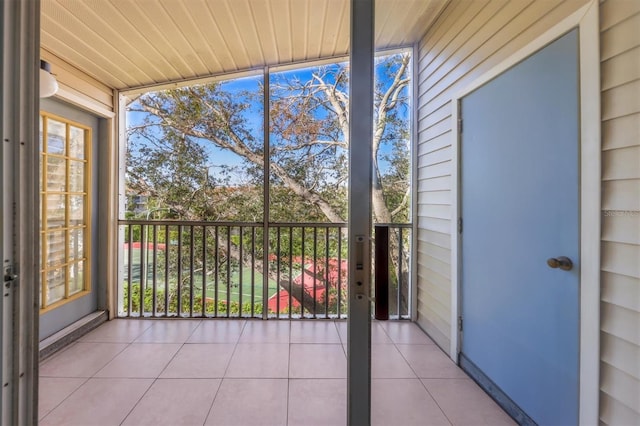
[(175, 268)]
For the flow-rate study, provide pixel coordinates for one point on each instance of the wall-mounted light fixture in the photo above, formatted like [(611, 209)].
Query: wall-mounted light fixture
[(48, 83)]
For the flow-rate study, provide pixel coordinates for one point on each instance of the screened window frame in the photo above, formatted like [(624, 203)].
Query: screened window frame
[(67, 262)]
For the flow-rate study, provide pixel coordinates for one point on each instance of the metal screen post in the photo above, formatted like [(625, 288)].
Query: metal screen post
[(360, 167), (19, 222), (266, 173)]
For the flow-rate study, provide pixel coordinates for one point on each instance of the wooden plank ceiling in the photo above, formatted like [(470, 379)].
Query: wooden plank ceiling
[(132, 43)]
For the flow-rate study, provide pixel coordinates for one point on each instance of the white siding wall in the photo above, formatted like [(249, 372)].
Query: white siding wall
[(620, 279), (467, 40)]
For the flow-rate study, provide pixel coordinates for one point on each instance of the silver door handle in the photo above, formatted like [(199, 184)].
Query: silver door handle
[(561, 262)]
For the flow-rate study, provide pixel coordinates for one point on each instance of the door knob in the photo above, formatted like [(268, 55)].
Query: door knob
[(561, 262)]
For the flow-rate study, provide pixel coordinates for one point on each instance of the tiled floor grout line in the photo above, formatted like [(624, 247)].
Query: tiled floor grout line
[(335, 324), (182, 345), (286, 417), (422, 383), (94, 376), (155, 379), (224, 374), (235, 347), (157, 376), (138, 401), (213, 400), (395, 345), (114, 357), (444, 413), (413, 348), (86, 379)]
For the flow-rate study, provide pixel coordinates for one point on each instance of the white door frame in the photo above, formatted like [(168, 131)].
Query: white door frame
[(586, 20)]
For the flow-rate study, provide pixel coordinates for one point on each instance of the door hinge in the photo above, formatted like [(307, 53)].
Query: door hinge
[(459, 125), (459, 225), (460, 323)]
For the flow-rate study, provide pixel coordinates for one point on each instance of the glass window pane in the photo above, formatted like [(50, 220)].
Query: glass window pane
[(76, 142), (76, 210), (393, 139), (76, 278), (76, 176), (41, 127), (217, 176), (56, 174), (55, 247), (55, 284), (76, 244), (56, 136), (64, 227), (56, 208)]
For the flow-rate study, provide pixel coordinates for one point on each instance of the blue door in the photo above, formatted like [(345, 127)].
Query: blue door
[(520, 239)]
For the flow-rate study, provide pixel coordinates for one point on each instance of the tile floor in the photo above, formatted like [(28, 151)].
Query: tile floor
[(236, 372)]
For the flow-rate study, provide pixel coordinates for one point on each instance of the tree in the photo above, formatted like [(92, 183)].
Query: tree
[(170, 148)]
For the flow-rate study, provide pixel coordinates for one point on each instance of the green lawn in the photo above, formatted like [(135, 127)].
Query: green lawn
[(234, 293)]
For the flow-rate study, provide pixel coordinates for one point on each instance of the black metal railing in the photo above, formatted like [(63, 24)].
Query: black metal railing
[(175, 268), (309, 261)]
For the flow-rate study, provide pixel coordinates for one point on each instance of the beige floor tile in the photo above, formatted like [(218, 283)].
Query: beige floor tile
[(259, 360), (201, 360), (81, 359), (258, 331), (314, 331), (317, 361), (98, 402), (403, 402), (465, 403), (175, 402), (405, 332), (118, 331), (317, 402), (53, 390), (378, 334), (428, 361), (169, 331), (140, 360), (217, 331), (272, 383), (388, 363), (341, 326), (250, 402)]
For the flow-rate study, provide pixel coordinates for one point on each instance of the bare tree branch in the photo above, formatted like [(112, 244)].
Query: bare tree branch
[(403, 203)]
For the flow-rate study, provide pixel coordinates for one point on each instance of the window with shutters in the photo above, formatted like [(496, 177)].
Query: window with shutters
[(64, 210)]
